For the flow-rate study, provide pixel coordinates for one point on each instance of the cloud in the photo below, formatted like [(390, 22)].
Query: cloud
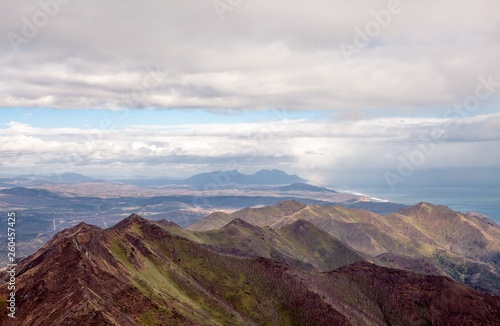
[(309, 147), (279, 54)]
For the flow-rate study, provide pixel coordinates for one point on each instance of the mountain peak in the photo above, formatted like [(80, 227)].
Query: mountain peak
[(132, 219), (275, 176), (290, 205), (239, 223), (426, 208), (82, 226)]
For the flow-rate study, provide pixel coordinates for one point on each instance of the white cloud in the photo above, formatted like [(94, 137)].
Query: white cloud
[(310, 147), (278, 54)]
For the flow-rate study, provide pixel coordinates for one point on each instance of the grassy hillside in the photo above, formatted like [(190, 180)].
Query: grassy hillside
[(421, 238), (300, 244)]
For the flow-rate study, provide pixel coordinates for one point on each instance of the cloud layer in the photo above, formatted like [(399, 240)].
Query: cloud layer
[(262, 54), (315, 149)]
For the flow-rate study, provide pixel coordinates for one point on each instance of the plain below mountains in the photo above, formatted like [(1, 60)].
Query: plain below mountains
[(141, 272)]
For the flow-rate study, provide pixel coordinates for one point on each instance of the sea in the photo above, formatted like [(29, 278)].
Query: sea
[(480, 199)]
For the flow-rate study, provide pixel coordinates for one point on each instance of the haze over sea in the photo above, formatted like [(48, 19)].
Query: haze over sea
[(480, 199)]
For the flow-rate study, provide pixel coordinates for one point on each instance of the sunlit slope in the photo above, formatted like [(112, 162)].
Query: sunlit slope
[(424, 238)]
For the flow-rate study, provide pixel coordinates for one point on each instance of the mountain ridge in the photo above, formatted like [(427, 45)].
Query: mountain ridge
[(463, 246), (139, 273)]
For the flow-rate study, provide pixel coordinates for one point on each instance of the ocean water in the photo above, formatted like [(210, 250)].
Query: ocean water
[(480, 199)]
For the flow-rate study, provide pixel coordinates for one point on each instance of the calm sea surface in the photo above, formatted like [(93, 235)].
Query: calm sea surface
[(483, 200)]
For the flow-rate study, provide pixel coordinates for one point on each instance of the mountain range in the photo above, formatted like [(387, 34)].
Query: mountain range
[(423, 238), (143, 272), (312, 256)]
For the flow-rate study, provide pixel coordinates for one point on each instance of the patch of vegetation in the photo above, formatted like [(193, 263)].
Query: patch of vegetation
[(454, 266)]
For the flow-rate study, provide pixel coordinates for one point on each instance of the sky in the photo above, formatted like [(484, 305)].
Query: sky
[(339, 92)]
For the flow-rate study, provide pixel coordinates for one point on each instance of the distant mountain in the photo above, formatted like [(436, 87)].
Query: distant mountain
[(218, 178), (70, 178), (225, 178), (31, 180), (273, 177), (30, 198), (27, 192), (140, 273), (465, 247)]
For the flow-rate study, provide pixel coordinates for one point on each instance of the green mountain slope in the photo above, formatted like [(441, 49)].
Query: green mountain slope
[(300, 244), (421, 238)]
